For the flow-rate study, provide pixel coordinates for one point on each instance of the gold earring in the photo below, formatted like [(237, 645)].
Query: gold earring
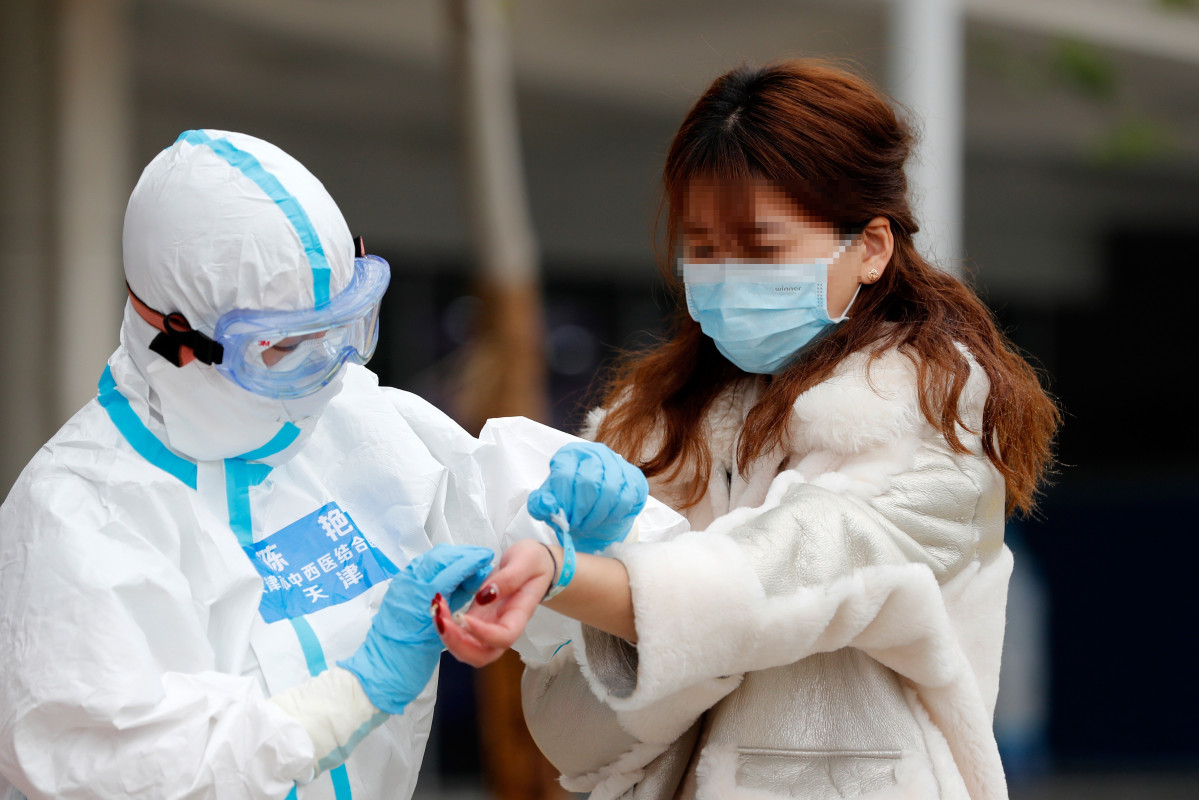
[(872, 276)]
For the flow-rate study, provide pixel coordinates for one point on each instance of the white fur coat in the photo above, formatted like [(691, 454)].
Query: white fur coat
[(831, 626)]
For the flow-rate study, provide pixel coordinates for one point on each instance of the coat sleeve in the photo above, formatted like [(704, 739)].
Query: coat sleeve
[(811, 570), (109, 687), (558, 704)]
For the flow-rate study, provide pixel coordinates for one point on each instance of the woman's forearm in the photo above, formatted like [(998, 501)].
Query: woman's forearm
[(598, 595)]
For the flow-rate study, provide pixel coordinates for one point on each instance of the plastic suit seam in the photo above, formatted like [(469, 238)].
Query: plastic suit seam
[(239, 476), (287, 434), (139, 437), (249, 166), (340, 755)]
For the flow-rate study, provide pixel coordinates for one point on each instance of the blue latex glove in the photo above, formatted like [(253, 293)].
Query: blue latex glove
[(402, 647), (598, 492)]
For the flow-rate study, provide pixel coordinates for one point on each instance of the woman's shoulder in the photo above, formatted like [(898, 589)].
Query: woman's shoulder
[(722, 420), (592, 422), (872, 399)]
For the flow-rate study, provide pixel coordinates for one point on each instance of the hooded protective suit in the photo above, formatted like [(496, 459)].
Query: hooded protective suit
[(183, 549)]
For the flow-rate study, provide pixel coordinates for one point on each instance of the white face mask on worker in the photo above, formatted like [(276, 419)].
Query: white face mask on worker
[(208, 417)]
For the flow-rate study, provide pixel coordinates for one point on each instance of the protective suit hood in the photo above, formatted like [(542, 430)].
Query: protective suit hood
[(220, 221)]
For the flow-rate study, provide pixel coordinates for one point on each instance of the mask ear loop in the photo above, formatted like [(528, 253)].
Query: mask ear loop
[(845, 314), (845, 244)]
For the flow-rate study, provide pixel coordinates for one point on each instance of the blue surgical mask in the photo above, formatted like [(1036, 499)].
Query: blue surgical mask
[(760, 315)]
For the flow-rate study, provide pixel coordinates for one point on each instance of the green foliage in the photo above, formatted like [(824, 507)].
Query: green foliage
[(1179, 5), (1085, 71), (1078, 67), (1083, 67), (1134, 140)]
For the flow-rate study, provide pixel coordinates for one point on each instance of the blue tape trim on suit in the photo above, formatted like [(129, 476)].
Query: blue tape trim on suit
[(314, 654), (342, 753), (239, 477), (341, 783), (287, 202), (280, 441), (144, 443)]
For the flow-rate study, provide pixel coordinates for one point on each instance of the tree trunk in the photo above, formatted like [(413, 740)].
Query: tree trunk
[(504, 373)]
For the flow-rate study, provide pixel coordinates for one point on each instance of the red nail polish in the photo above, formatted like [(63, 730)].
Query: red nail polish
[(487, 595), (437, 620), (436, 600)]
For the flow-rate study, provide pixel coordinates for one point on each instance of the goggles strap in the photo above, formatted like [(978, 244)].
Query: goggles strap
[(177, 342)]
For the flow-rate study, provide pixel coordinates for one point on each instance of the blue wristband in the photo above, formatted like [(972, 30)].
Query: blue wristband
[(568, 567)]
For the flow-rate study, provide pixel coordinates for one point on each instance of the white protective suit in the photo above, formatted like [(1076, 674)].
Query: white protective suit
[(141, 639)]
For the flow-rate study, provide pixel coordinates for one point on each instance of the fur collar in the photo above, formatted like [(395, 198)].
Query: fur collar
[(863, 406)]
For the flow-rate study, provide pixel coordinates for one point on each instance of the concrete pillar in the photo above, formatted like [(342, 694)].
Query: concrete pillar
[(65, 103), (927, 76), (94, 180), (27, 256)]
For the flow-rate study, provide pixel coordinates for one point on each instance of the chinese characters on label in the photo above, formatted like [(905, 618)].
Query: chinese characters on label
[(317, 561)]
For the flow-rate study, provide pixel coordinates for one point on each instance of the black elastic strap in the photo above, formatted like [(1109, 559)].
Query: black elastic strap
[(176, 334), (179, 334)]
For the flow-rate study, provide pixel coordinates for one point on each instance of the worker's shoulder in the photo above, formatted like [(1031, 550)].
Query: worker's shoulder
[(86, 479), (376, 425), (361, 394), (87, 450)]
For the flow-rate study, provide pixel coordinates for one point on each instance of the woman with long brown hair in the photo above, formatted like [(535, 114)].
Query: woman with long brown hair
[(845, 429)]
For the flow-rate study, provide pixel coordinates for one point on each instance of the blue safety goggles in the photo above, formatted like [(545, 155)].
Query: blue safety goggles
[(283, 354)]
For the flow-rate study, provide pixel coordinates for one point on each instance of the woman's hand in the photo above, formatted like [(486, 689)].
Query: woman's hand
[(502, 607), (400, 652)]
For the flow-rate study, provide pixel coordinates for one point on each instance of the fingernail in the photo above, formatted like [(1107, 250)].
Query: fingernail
[(487, 594), (437, 619), (436, 600)]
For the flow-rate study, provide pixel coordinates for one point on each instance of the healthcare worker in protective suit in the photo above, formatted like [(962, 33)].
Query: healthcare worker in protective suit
[(215, 580)]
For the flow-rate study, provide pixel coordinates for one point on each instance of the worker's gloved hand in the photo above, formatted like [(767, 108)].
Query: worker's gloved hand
[(402, 647), (598, 492)]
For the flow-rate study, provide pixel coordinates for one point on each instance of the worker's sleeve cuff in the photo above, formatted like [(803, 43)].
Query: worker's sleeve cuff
[(335, 711)]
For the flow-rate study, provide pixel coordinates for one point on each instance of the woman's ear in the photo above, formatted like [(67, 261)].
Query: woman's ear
[(879, 244)]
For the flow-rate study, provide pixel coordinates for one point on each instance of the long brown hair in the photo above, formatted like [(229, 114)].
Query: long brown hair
[(835, 145)]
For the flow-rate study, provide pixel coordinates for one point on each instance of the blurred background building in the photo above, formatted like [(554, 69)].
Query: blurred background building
[(1077, 219)]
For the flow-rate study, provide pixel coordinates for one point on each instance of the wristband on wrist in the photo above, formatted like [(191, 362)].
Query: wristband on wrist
[(554, 576), (568, 567)]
